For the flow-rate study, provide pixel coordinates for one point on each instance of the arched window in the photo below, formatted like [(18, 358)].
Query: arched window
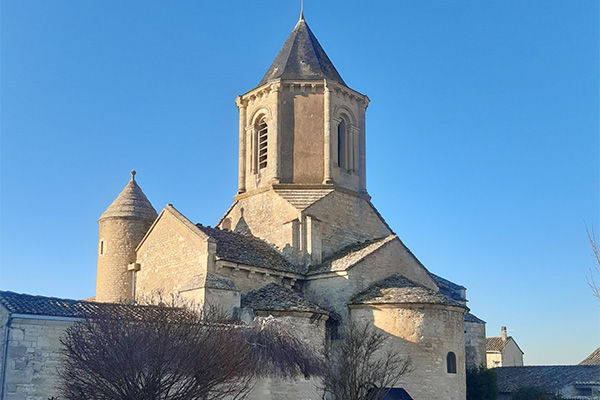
[(260, 144), (343, 145), (451, 363)]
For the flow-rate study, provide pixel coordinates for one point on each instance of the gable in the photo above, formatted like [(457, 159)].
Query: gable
[(173, 251), (377, 259)]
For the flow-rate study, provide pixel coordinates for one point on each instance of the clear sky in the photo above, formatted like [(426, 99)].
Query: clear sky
[(482, 136)]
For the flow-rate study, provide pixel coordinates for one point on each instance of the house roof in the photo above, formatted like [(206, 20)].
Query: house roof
[(399, 289), (274, 297), (302, 57), (592, 359), (249, 250), (43, 306), (497, 343), (131, 203), (546, 377), (350, 255), (449, 288), (472, 318), (48, 306)]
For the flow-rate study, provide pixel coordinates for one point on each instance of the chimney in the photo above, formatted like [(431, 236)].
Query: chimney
[(504, 336)]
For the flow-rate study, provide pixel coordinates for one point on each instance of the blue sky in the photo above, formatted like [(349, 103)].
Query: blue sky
[(482, 136)]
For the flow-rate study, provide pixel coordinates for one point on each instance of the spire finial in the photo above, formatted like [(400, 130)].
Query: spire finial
[(302, 10), (133, 175)]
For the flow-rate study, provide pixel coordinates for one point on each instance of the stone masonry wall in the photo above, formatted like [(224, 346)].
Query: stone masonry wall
[(266, 215), (310, 331), (475, 344), (169, 257), (118, 239), (33, 358), (346, 220), (425, 333), (334, 292)]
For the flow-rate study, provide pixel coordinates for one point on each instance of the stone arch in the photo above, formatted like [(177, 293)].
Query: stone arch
[(346, 137), (340, 111), (260, 128), (258, 113)]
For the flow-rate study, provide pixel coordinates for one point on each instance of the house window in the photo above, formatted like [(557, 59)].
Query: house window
[(451, 363), (261, 145)]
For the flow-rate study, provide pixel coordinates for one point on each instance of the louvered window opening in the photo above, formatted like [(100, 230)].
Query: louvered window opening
[(262, 144)]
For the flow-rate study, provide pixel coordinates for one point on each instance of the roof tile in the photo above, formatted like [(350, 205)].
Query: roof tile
[(399, 289), (274, 297), (249, 250)]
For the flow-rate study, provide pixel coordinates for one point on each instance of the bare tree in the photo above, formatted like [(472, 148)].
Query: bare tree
[(596, 269), (125, 352), (361, 365)]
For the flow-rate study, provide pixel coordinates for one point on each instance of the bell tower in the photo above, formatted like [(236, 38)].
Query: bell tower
[(302, 170), (302, 125)]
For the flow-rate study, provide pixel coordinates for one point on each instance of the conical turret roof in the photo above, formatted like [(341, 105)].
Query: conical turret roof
[(302, 57), (131, 203)]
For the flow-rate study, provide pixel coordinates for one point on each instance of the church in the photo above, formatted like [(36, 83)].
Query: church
[(301, 241)]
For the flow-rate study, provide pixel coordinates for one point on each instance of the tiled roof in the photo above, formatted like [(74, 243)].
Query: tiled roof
[(545, 377), (131, 203), (211, 281), (249, 250), (350, 255), (449, 288), (495, 343), (274, 297), (399, 289), (592, 359), (472, 318), (302, 198), (17, 303), (302, 57)]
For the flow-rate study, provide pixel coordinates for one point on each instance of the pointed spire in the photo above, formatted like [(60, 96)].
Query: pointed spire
[(301, 10), (302, 58), (131, 203)]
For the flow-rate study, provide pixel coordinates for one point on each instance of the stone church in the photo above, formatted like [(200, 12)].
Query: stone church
[(302, 240)]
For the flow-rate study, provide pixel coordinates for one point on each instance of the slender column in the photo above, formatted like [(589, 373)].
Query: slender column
[(327, 178), (362, 148), (354, 149), (276, 168), (242, 104)]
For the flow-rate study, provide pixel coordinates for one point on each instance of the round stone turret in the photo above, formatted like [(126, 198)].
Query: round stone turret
[(121, 228)]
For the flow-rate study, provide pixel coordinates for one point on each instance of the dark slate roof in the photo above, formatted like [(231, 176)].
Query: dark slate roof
[(472, 318), (397, 394), (449, 288), (49, 306), (545, 377), (350, 255), (248, 250), (55, 307), (274, 297), (302, 57), (592, 359), (399, 289), (211, 281)]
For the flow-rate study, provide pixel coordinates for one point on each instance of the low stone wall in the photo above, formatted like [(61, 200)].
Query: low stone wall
[(33, 358)]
